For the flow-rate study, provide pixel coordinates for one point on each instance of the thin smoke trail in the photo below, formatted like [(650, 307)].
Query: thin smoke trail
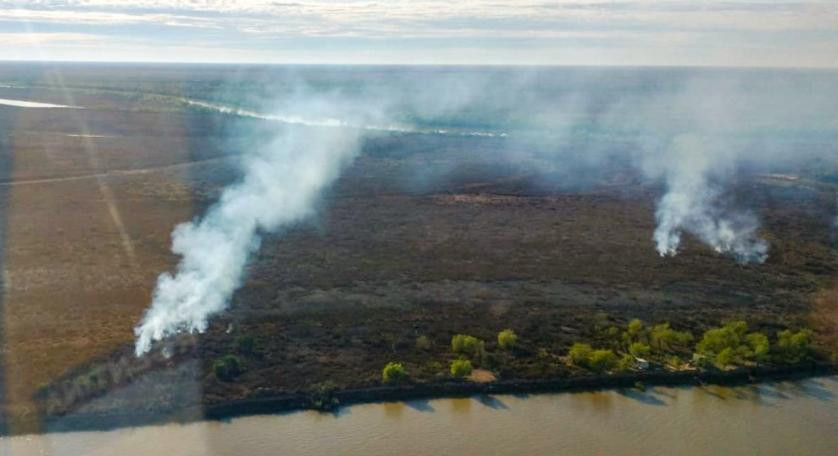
[(338, 123)]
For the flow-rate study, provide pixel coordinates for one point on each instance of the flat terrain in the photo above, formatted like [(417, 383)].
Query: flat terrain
[(88, 199)]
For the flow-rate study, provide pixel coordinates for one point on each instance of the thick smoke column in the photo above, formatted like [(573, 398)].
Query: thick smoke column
[(281, 185), (691, 204)]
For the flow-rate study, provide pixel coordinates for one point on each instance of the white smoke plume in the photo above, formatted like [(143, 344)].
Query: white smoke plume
[(281, 185), (691, 203), (335, 122)]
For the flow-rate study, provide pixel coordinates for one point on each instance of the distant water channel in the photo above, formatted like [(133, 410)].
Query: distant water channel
[(787, 418)]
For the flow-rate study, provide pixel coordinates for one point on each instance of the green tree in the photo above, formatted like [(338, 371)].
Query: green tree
[(227, 368), (507, 339), (626, 362), (602, 360), (635, 332), (423, 343), (393, 373), (793, 347), (470, 346), (675, 361), (580, 353), (245, 344), (715, 340), (728, 344), (640, 350), (664, 338), (611, 335), (759, 345), (461, 368), (464, 344), (724, 357)]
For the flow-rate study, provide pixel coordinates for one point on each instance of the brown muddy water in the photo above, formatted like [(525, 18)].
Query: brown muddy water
[(785, 418)]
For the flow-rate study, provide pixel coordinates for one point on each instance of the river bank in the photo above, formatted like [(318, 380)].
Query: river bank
[(332, 401)]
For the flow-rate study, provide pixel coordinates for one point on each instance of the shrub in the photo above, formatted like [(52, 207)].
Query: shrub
[(423, 343), (635, 331), (464, 344), (434, 366), (793, 347), (469, 346), (675, 361), (724, 357), (626, 362), (460, 367), (715, 340), (322, 396), (759, 345), (731, 344), (393, 373), (602, 360), (640, 350), (579, 353), (664, 338), (611, 335), (245, 345), (507, 339), (701, 360), (227, 368)]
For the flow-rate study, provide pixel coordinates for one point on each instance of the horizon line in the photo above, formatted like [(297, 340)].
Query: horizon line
[(419, 64)]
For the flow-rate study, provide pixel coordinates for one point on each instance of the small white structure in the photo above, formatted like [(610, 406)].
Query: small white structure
[(641, 364)]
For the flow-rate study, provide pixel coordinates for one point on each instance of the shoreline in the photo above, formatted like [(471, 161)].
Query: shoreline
[(270, 404)]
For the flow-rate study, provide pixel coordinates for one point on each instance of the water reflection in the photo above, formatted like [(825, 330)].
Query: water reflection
[(461, 406), (769, 393), (491, 401), (597, 402), (647, 397), (421, 405), (393, 410)]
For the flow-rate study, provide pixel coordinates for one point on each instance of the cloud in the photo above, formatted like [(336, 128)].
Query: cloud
[(101, 18), (423, 15), (30, 39), (633, 31)]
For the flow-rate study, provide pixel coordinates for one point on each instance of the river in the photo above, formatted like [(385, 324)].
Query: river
[(785, 418)]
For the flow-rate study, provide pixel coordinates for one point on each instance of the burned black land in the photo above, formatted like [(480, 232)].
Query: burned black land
[(422, 238)]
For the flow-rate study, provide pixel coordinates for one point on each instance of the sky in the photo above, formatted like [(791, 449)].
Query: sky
[(776, 33)]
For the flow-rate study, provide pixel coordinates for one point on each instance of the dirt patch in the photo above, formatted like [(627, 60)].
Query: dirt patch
[(482, 376)]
